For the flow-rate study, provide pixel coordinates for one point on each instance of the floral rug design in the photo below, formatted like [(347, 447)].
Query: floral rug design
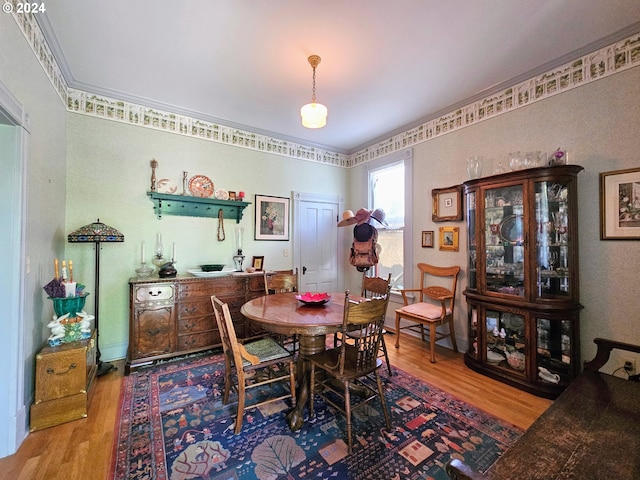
[(172, 426)]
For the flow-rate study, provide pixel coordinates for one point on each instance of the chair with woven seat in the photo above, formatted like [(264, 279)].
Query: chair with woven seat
[(375, 287), (350, 363), (256, 359), (433, 305), (282, 281)]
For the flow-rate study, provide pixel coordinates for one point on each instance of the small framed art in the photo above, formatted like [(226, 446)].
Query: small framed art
[(447, 204), (272, 218), (449, 238), (257, 263), (620, 205), (427, 239)]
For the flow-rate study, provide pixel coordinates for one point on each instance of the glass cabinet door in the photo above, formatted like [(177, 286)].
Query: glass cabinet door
[(471, 246), (506, 340), (504, 240), (552, 239), (553, 352)]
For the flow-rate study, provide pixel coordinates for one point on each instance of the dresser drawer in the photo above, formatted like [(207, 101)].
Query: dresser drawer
[(198, 340), (256, 285), (214, 286), (197, 324), (154, 294), (195, 308)]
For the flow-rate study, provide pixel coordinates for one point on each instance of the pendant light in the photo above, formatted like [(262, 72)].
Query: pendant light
[(314, 115)]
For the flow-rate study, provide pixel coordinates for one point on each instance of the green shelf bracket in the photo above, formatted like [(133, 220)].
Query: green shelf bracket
[(166, 204)]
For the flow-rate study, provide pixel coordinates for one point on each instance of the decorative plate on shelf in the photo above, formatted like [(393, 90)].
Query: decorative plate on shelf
[(513, 321), (166, 186), (512, 229), (222, 194), (201, 186)]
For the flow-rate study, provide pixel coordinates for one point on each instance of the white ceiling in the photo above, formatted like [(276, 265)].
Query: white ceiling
[(386, 65)]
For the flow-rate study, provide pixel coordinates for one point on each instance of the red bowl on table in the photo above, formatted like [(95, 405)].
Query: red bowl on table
[(314, 299)]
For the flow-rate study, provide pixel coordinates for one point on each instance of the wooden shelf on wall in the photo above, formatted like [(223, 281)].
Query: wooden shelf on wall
[(166, 204)]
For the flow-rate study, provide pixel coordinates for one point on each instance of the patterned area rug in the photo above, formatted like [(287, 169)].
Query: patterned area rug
[(172, 426)]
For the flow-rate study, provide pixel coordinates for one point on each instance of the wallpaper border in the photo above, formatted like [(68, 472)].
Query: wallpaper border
[(614, 58)]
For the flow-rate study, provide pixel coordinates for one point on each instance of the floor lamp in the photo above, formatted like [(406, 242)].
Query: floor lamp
[(97, 233)]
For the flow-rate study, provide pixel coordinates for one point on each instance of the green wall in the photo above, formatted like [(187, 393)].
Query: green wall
[(108, 177)]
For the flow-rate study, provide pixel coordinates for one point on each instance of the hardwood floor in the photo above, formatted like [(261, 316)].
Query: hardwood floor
[(82, 449)]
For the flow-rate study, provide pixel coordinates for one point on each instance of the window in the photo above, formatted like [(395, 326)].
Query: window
[(387, 190)]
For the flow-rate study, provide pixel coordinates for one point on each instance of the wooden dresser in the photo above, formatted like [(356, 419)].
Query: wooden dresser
[(174, 316), (65, 377)]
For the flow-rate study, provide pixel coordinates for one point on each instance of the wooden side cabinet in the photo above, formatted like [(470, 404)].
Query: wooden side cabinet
[(65, 378), (173, 316)]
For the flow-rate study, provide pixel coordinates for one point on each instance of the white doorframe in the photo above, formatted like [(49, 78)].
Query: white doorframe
[(13, 413), (299, 197)]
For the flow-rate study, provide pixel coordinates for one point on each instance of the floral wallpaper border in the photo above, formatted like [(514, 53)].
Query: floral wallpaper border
[(602, 63)]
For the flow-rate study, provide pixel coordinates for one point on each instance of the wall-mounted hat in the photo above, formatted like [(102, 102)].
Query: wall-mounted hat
[(348, 218), (379, 215), (361, 216)]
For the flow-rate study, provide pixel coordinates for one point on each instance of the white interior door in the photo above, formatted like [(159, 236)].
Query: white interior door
[(316, 242)]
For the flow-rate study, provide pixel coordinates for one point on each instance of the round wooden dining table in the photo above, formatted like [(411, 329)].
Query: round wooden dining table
[(282, 313)]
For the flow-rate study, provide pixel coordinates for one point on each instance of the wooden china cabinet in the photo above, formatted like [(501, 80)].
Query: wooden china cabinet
[(523, 285)]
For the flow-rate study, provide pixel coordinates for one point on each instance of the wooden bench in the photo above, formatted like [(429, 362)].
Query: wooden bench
[(591, 431)]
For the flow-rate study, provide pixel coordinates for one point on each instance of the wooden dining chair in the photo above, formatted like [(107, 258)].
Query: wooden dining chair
[(433, 305), (375, 287), (283, 281), (351, 364), (265, 357)]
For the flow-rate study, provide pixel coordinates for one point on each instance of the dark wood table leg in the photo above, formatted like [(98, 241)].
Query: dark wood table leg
[(309, 344)]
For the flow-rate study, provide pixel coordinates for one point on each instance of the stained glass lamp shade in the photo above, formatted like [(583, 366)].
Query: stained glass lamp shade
[(97, 233)]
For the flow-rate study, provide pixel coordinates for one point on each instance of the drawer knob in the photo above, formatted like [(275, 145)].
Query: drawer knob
[(156, 294), (51, 371)]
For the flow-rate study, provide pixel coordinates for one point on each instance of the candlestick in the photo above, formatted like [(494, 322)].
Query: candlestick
[(71, 271), (56, 268), (173, 257), (143, 255), (64, 270)]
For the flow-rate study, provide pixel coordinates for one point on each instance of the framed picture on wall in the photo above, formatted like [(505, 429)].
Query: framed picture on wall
[(620, 205), (427, 239), (272, 218), (449, 238), (447, 204)]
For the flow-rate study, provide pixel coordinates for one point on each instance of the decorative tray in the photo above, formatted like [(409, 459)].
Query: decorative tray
[(197, 272), (314, 299)]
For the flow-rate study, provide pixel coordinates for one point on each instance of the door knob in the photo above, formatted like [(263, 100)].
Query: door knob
[(304, 269)]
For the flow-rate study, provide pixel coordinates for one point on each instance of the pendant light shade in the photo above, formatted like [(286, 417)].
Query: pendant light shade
[(314, 115)]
